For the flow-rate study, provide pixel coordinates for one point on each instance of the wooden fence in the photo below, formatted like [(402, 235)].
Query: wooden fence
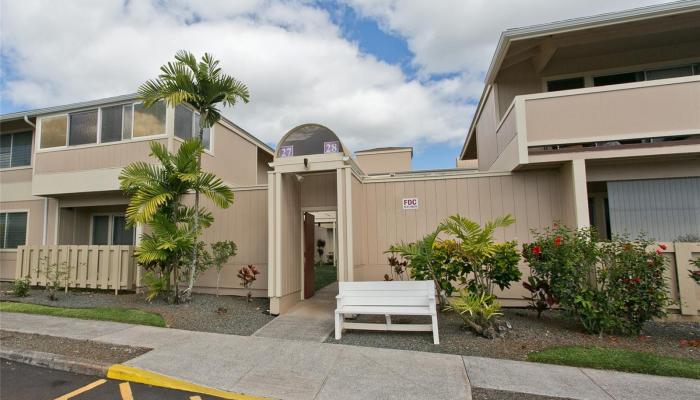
[(95, 267), (683, 288)]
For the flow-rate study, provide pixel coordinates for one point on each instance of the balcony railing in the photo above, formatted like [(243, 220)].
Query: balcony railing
[(79, 266)]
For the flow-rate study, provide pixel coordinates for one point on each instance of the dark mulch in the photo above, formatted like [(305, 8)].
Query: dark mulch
[(74, 348), (528, 334), (206, 312)]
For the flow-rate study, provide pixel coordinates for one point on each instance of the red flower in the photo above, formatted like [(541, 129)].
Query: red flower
[(658, 251), (536, 250), (557, 241), (663, 246), (636, 279)]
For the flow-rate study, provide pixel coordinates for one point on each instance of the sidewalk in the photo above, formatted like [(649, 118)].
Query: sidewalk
[(291, 369)]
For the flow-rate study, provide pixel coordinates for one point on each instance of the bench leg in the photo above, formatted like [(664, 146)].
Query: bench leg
[(338, 325), (436, 336)]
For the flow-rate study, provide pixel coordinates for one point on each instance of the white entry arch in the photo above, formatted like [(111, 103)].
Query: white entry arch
[(307, 152)]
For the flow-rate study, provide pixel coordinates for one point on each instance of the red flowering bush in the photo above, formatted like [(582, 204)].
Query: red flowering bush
[(560, 262), (613, 286), (631, 278), (248, 275)]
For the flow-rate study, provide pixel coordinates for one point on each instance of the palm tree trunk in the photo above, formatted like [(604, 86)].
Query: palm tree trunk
[(193, 265)]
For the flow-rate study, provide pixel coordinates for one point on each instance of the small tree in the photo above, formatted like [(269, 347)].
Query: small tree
[(57, 275), (156, 195), (204, 86), (221, 252), (248, 275), (320, 249)]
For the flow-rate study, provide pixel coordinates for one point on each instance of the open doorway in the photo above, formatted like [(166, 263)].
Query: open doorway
[(319, 250)]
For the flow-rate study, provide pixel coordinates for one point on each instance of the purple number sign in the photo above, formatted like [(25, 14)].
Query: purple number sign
[(331, 147), (286, 151)]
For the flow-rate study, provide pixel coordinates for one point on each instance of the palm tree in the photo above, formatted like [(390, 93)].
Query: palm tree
[(203, 86), (155, 198)]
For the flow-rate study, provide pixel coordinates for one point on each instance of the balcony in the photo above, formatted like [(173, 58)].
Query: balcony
[(636, 119), (634, 116), (85, 169)]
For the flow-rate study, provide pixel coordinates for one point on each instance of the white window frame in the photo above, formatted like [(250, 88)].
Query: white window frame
[(110, 227), (195, 132), (589, 75), (99, 142), (31, 150), (26, 230)]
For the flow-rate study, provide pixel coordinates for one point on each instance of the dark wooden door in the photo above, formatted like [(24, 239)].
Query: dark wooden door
[(309, 253)]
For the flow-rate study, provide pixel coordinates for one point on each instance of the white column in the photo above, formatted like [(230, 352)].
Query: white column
[(578, 168)]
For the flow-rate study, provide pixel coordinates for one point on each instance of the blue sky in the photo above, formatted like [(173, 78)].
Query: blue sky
[(377, 72)]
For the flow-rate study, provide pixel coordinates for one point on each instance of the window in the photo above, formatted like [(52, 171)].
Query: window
[(15, 149), (187, 125), (149, 121), (83, 128), (13, 229), (116, 123), (618, 78), (111, 230), (665, 73), (565, 84), (54, 131)]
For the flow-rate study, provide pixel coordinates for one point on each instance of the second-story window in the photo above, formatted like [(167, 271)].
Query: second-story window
[(82, 128), (187, 125), (15, 149), (102, 125)]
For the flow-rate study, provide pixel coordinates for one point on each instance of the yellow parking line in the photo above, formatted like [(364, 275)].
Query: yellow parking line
[(125, 390), (82, 389), (195, 398)]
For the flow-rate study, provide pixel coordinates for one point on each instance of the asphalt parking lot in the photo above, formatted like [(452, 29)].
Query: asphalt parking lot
[(27, 382)]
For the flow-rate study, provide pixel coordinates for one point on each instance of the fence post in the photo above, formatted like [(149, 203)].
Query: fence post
[(686, 285)]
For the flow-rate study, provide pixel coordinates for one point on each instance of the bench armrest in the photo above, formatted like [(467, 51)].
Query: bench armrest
[(340, 296)]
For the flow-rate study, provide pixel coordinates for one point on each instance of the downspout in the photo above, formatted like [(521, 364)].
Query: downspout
[(30, 123)]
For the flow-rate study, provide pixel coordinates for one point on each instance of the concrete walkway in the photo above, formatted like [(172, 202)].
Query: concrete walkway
[(309, 320), (293, 369)]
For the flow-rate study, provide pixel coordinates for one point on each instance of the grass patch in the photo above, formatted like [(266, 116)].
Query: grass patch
[(324, 275), (126, 315), (619, 360)]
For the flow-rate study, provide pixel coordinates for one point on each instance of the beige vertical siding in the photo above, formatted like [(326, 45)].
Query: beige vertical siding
[(516, 80), (651, 108), (35, 229), (568, 198), (487, 146), (93, 157), (617, 170), (16, 175), (533, 198), (386, 161), (263, 160), (290, 223), (319, 191), (245, 223), (234, 159)]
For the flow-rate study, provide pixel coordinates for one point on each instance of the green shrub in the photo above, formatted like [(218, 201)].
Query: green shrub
[(20, 287), (613, 286), (695, 274), (477, 310)]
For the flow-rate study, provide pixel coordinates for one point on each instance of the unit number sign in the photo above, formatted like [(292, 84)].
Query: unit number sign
[(410, 203)]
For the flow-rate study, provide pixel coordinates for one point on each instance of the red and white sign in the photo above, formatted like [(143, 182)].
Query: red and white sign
[(410, 203)]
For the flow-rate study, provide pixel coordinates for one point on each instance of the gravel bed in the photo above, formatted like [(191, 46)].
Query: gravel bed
[(74, 348), (528, 334), (206, 312), (492, 394)]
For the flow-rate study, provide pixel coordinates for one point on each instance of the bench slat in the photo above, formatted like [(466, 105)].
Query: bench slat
[(385, 310), (386, 301)]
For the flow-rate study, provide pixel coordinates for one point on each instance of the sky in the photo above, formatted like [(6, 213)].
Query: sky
[(376, 72)]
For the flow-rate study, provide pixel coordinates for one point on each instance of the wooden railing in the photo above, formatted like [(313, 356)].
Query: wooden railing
[(79, 266)]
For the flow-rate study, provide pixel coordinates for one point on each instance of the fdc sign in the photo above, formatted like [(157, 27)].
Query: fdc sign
[(410, 203)]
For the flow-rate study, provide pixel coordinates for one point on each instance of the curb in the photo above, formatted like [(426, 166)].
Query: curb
[(128, 373), (55, 361)]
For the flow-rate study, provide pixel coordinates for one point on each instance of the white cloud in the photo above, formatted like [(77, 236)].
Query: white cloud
[(461, 35), (295, 61)]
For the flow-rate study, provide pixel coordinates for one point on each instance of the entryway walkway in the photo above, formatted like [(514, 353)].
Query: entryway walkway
[(309, 320)]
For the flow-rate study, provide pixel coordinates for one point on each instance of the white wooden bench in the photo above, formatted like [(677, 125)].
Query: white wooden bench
[(386, 298)]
